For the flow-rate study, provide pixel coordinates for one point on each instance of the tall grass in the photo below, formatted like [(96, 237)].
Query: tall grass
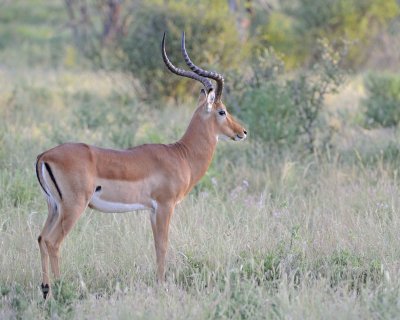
[(264, 235)]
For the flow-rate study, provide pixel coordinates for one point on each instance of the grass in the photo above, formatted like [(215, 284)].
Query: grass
[(264, 234)]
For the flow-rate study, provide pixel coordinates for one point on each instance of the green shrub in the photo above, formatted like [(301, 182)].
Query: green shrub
[(270, 114), (286, 111), (295, 29), (264, 102), (383, 100), (211, 42)]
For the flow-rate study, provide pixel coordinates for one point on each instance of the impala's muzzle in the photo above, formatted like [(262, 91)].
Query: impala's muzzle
[(240, 137)]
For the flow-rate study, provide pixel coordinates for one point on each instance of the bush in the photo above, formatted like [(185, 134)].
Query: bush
[(382, 104), (295, 29), (286, 111), (264, 103), (213, 42), (270, 114)]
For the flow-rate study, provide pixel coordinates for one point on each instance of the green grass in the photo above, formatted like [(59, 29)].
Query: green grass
[(264, 235)]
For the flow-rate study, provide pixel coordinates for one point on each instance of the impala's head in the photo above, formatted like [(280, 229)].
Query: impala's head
[(210, 105), (216, 114)]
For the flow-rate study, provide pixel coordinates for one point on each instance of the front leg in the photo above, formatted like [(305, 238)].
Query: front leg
[(160, 219)]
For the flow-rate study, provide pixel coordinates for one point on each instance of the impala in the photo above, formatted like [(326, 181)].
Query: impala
[(150, 176)]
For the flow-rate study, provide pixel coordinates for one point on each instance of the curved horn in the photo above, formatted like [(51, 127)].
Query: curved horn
[(180, 72), (208, 74)]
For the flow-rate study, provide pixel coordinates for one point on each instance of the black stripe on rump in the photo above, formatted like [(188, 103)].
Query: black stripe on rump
[(53, 179), (37, 175)]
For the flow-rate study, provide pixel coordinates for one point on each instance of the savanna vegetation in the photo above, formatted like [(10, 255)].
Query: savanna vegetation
[(300, 221)]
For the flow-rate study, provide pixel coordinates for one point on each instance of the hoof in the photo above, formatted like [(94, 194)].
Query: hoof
[(45, 290)]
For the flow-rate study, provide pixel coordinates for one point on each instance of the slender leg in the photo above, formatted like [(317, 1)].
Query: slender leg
[(66, 220), (51, 218), (153, 215), (160, 227)]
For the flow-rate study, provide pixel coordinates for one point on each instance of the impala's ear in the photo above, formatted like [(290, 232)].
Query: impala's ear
[(207, 99), (202, 96), (210, 100)]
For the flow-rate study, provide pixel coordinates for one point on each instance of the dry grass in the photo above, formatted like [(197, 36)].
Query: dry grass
[(263, 236)]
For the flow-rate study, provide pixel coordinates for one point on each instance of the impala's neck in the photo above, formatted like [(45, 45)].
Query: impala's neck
[(199, 143)]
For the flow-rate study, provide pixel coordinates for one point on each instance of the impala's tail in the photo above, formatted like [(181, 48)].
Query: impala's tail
[(39, 176), (42, 170)]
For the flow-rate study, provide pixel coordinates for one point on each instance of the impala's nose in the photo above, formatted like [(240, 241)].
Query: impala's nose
[(241, 137)]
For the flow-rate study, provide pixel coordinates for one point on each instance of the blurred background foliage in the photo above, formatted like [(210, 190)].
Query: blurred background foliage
[(306, 21), (281, 59), (382, 106)]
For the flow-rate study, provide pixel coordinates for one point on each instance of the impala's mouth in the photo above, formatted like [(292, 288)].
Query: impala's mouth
[(238, 137)]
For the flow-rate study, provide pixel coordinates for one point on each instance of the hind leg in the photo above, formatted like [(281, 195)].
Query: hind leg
[(68, 215), (51, 218)]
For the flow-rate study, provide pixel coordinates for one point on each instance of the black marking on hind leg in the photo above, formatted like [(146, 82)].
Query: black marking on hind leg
[(98, 188), (53, 179), (37, 175), (39, 239)]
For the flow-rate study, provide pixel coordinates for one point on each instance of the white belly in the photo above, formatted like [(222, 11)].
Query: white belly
[(110, 207)]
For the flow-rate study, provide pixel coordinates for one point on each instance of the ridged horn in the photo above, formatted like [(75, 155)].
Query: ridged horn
[(204, 73), (180, 72)]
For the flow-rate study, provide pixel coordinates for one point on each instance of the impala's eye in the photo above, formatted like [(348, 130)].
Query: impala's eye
[(222, 112)]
